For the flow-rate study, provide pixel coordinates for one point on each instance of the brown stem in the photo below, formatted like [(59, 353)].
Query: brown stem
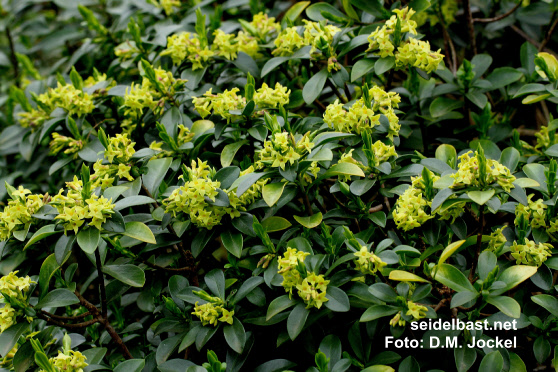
[(61, 317), (386, 201), (348, 92), (95, 312), (497, 18), (336, 91), (101, 279), (549, 32), (440, 304), (307, 203), (13, 57), (470, 26), (479, 243), (530, 39), (59, 323), (448, 43), (169, 269), (377, 208)]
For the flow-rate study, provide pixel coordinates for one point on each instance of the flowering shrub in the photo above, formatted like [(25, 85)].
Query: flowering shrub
[(278, 186)]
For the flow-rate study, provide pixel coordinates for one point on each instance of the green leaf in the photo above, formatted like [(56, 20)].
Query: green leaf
[(464, 358), (452, 277), (199, 127), (404, 276), (384, 64), (541, 349), (215, 280), (419, 5), (503, 76), (42, 233), (550, 303), (48, 268), (311, 221), (229, 151), (275, 223), (513, 276), (505, 304), (156, 171), (226, 176), (314, 12), (235, 335), (447, 154), (313, 88), (492, 362), (58, 298), (247, 287), (462, 297), (294, 11), (296, 320), (272, 192), (128, 274), (232, 242), (373, 7), (481, 197), (132, 201), (338, 300), (378, 311), (449, 250), (510, 158), (442, 106), (88, 239), (361, 68), (140, 231), (132, 365), (278, 305), (347, 169), (9, 337), (360, 187)]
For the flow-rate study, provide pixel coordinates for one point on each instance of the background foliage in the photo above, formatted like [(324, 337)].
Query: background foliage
[(275, 185)]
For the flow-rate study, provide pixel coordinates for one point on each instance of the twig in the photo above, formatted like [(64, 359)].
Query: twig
[(169, 269), (13, 57), (61, 317), (348, 92), (497, 18), (58, 323), (448, 43), (470, 26), (440, 304), (530, 39), (479, 243), (336, 91), (101, 279), (549, 32), (377, 208), (95, 312)]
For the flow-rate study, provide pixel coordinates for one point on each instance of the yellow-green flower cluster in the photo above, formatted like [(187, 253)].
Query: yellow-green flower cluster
[(18, 213), (220, 103), (167, 5), (68, 144), (7, 316), (411, 52), (186, 45), (282, 149), (229, 45), (74, 101), (73, 361), (287, 268), (497, 240), (448, 8), (33, 119), (417, 53), (413, 309), (288, 42), (137, 97), (73, 211), (210, 313), (533, 212), (239, 203), (14, 287), (416, 311), (360, 118), (183, 136), (118, 153), (264, 26), (313, 290), (266, 97), (367, 262), (468, 173), (318, 34), (190, 198), (409, 211), (530, 253)]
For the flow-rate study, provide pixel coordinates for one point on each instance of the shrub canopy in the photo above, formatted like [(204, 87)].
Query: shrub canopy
[(271, 185)]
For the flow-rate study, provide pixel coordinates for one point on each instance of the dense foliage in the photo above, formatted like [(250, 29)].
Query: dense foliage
[(272, 185)]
